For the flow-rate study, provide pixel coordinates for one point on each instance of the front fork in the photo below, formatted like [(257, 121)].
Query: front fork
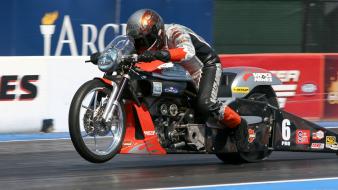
[(115, 97)]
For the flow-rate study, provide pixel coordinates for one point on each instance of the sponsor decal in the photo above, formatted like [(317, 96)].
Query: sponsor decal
[(252, 135), (171, 90), (286, 132), (149, 133), (309, 88), (157, 88), (240, 90), (318, 135), (262, 77), (128, 143), (22, 88), (331, 143), (258, 77), (246, 76), (317, 145), (302, 136)]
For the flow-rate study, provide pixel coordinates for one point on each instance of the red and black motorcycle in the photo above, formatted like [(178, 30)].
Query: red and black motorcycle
[(150, 109)]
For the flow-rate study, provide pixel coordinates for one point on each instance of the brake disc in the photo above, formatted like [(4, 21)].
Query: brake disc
[(95, 126), (88, 123)]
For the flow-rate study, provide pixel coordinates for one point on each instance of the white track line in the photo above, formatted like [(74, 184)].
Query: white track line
[(247, 183), (32, 140)]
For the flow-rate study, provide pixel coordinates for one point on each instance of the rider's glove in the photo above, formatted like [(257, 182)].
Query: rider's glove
[(163, 55), (149, 56), (94, 58)]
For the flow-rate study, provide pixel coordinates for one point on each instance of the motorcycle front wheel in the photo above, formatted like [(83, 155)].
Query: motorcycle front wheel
[(95, 140)]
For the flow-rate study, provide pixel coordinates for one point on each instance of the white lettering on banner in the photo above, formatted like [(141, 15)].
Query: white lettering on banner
[(88, 43), (124, 29), (287, 75), (66, 30), (90, 36), (103, 32), (47, 31), (284, 91), (286, 132)]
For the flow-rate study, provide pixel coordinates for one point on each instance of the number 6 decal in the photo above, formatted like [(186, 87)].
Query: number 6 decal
[(286, 131)]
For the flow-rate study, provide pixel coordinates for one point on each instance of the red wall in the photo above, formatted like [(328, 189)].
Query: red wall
[(307, 80)]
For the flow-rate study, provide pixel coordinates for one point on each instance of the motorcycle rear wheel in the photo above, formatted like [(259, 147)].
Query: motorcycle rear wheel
[(263, 95), (94, 140)]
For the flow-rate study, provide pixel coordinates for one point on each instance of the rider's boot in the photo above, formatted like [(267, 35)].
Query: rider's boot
[(239, 126)]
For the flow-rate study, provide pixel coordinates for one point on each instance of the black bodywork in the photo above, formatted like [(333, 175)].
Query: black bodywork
[(266, 135), (288, 132)]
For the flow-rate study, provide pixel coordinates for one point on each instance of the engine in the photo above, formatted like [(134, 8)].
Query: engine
[(175, 123)]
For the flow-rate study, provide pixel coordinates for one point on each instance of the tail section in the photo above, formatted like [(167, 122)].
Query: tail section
[(288, 132)]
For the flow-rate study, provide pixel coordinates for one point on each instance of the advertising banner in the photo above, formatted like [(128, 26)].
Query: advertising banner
[(63, 27), (37, 88), (331, 87), (23, 95), (302, 76)]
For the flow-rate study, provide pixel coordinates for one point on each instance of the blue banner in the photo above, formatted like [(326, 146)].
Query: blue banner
[(63, 27)]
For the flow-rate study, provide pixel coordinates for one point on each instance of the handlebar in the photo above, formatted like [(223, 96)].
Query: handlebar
[(133, 58)]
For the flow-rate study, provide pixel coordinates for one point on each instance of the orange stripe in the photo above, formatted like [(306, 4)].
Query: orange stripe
[(149, 67), (177, 54), (107, 81)]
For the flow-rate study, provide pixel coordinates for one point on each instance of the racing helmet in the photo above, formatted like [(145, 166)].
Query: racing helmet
[(146, 27)]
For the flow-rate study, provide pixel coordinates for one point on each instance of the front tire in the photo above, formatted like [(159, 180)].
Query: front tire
[(87, 132)]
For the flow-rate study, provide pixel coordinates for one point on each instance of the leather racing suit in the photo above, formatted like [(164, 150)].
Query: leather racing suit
[(197, 57)]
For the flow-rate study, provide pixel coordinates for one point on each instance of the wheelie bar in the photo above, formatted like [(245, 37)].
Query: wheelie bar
[(288, 132)]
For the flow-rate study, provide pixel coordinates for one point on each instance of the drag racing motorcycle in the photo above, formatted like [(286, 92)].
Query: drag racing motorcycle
[(150, 109)]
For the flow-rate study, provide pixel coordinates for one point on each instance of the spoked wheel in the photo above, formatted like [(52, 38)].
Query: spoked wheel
[(254, 156), (95, 140)]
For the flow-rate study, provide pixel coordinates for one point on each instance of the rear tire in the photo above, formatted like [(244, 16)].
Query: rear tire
[(264, 95), (75, 123), (230, 158)]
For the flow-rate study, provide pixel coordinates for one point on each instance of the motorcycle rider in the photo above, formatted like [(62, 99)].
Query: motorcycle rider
[(154, 41)]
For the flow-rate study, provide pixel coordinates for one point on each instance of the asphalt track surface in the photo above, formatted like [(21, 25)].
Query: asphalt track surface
[(54, 164)]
